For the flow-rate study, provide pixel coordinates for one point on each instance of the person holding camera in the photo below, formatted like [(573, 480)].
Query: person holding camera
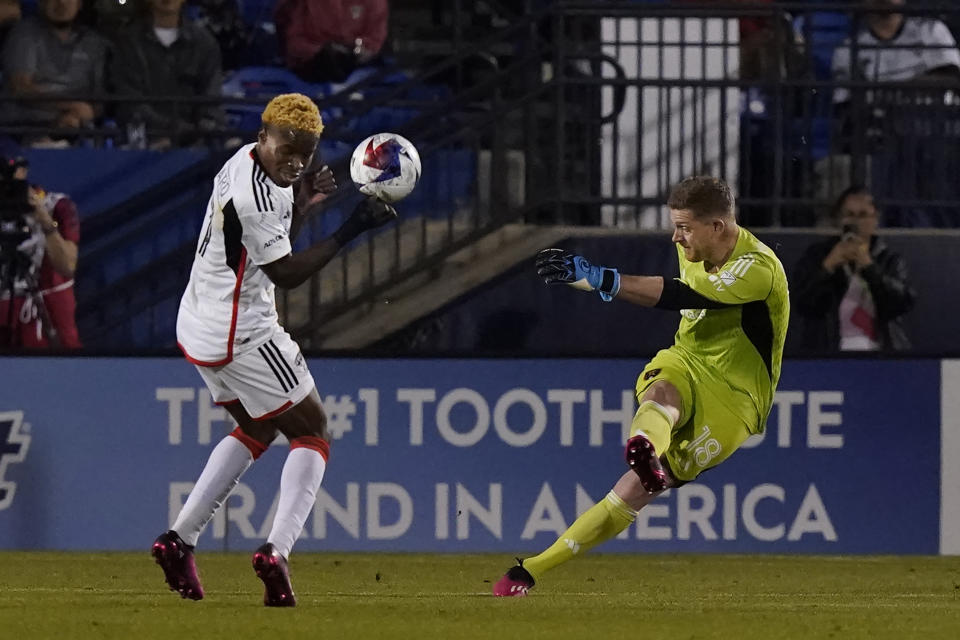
[(852, 292), (40, 282)]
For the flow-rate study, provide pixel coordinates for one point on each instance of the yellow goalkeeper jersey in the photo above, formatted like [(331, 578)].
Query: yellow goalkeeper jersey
[(740, 344)]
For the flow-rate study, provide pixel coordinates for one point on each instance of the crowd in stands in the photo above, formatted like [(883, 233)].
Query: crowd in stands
[(902, 141), (174, 52), (178, 53)]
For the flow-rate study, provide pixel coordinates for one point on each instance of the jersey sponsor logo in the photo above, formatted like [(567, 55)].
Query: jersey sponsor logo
[(14, 443), (653, 373), (273, 241)]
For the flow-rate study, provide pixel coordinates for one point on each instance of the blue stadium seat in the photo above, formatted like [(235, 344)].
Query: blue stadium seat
[(825, 32), (264, 82), (257, 11)]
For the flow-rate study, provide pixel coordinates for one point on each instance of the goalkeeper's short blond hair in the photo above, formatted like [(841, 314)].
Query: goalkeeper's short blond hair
[(293, 110)]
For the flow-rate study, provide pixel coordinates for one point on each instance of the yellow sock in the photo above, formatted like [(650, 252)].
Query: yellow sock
[(655, 422), (599, 523)]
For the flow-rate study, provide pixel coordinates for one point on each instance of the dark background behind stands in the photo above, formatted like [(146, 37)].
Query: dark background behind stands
[(517, 314), (777, 182)]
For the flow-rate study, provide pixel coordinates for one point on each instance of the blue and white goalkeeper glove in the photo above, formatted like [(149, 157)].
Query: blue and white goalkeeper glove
[(557, 266)]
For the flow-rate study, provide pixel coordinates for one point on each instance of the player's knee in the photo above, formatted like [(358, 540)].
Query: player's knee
[(663, 393), (314, 443), (313, 433), (320, 426), (315, 422), (255, 438)]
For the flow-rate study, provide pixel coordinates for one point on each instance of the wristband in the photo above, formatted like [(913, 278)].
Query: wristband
[(609, 284)]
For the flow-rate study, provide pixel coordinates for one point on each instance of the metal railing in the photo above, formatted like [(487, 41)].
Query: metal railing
[(588, 112), (492, 130), (696, 99)]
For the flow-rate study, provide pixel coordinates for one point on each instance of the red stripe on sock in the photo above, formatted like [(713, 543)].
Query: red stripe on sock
[(316, 443), (255, 446)]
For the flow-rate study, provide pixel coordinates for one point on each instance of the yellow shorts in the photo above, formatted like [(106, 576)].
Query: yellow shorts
[(709, 430)]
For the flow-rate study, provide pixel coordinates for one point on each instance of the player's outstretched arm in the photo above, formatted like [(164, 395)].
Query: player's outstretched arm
[(293, 269), (557, 266)]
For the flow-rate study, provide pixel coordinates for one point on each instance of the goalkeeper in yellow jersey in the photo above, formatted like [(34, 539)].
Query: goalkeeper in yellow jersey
[(702, 397)]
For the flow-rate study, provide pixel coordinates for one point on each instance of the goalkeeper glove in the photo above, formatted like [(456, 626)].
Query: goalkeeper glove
[(557, 266)]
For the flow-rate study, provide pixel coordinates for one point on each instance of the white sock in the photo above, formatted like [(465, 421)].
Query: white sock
[(299, 482), (227, 462)]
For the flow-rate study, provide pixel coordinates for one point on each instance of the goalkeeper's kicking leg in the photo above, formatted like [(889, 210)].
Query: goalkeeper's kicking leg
[(649, 437)]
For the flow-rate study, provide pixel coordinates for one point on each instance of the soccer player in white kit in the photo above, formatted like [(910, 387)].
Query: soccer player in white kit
[(228, 327)]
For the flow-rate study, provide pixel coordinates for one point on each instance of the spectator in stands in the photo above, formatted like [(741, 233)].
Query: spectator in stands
[(165, 55), (50, 54), (852, 292), (325, 40), (893, 47), (901, 130), (43, 309)]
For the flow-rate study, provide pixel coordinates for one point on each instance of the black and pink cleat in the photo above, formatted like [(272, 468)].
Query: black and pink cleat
[(175, 557), (516, 582), (642, 458), (271, 567)]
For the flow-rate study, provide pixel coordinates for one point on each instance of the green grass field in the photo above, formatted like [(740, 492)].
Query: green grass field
[(368, 596)]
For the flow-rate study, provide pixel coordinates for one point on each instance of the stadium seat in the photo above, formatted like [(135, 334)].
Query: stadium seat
[(264, 83), (825, 31)]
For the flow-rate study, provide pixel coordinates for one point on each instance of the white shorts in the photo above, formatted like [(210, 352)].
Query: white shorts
[(267, 380)]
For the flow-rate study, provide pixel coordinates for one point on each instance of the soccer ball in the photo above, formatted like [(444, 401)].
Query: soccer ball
[(385, 165)]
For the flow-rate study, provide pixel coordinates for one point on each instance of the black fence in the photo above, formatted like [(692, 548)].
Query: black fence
[(791, 101), (586, 113)]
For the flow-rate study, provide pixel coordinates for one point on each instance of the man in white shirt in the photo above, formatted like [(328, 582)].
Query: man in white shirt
[(896, 48), (228, 327), (901, 140)]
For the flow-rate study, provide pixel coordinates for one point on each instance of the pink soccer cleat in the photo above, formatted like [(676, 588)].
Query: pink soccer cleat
[(175, 557), (642, 458), (515, 582), (271, 567)]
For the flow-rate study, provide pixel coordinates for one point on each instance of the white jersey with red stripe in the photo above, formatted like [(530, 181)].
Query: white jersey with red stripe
[(229, 306)]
